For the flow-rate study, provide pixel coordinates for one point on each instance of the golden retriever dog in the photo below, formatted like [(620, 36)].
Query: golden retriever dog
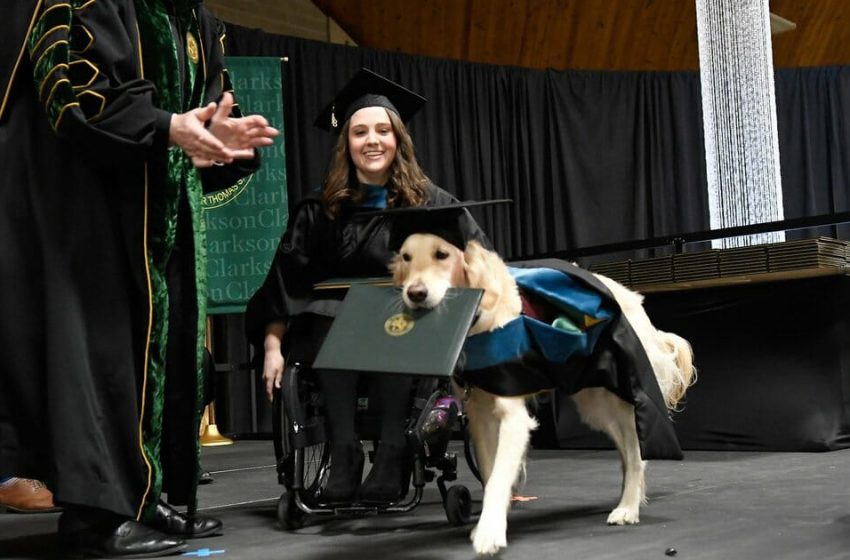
[(500, 427)]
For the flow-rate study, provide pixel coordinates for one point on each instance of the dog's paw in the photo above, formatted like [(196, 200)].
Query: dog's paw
[(624, 516), (489, 537)]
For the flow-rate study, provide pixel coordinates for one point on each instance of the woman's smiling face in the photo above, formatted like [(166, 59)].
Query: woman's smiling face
[(372, 144)]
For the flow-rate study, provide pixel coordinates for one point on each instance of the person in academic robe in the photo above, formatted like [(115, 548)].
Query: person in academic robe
[(373, 166), (115, 117)]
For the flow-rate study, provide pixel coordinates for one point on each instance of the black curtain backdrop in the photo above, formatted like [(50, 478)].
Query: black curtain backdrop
[(589, 157), (813, 116)]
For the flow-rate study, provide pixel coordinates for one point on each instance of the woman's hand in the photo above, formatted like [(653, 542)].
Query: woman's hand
[(273, 362), (273, 365)]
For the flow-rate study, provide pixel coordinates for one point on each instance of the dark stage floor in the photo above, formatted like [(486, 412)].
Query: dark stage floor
[(712, 505)]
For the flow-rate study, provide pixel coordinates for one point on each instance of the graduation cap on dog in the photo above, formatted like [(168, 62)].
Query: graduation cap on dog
[(368, 89), (452, 222)]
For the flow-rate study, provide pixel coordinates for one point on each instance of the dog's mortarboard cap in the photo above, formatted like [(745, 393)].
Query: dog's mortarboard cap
[(368, 89), (452, 221)]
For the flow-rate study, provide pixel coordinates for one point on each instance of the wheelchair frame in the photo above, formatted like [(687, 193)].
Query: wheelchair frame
[(302, 458)]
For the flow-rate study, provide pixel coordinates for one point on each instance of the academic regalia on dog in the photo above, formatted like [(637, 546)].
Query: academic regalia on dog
[(571, 336)]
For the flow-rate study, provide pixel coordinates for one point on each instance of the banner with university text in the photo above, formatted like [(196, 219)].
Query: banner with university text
[(245, 221)]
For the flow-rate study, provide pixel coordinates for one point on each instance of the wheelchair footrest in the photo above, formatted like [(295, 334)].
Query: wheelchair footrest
[(357, 511)]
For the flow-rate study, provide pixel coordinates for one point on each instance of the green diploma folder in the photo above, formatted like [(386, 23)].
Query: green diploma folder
[(375, 332)]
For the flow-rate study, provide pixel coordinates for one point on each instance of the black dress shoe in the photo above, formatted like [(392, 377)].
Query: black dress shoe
[(205, 477), (389, 479), (171, 522), (346, 472), (129, 539)]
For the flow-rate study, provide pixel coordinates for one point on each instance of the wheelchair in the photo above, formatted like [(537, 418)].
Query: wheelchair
[(302, 451)]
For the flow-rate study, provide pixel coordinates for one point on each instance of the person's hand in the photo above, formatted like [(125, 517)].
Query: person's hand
[(188, 131), (273, 357), (273, 364), (240, 135)]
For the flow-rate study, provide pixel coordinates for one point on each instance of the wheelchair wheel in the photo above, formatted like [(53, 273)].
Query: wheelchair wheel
[(305, 454), (288, 513), (316, 460), (458, 505), (469, 449)]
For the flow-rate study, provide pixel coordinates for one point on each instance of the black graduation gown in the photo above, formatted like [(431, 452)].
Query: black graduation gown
[(84, 151), (315, 248)]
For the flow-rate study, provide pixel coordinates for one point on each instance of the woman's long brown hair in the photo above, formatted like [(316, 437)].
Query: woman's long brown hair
[(407, 186)]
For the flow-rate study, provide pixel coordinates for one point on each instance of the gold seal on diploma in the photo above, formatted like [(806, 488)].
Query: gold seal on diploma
[(192, 47), (399, 325)]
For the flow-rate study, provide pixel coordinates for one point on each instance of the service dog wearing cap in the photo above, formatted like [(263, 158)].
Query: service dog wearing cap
[(608, 327)]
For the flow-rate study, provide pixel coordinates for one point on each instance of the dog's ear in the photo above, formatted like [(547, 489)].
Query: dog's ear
[(473, 265), (479, 274)]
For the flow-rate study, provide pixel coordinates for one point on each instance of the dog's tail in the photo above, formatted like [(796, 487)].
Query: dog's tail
[(676, 379)]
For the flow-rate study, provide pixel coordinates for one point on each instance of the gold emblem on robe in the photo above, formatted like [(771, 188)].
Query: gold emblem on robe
[(192, 48)]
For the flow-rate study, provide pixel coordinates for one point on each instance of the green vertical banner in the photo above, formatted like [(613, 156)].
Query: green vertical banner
[(245, 221)]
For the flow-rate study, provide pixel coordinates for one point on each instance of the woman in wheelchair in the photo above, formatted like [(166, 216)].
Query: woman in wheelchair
[(373, 166)]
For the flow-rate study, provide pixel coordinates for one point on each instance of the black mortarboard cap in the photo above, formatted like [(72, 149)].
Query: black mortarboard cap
[(452, 221), (368, 89)]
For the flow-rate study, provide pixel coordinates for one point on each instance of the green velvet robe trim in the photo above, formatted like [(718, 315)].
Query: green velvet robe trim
[(48, 48), (54, 18), (162, 68)]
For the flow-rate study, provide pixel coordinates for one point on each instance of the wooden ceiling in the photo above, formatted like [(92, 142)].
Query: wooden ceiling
[(578, 34)]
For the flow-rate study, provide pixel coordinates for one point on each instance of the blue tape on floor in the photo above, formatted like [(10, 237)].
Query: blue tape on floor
[(203, 552)]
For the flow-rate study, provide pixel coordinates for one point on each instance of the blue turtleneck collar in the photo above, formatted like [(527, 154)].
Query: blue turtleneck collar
[(374, 196)]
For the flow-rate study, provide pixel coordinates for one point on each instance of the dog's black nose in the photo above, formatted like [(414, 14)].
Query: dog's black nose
[(417, 293)]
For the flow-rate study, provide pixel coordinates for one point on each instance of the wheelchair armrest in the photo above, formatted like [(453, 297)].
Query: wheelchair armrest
[(292, 405)]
